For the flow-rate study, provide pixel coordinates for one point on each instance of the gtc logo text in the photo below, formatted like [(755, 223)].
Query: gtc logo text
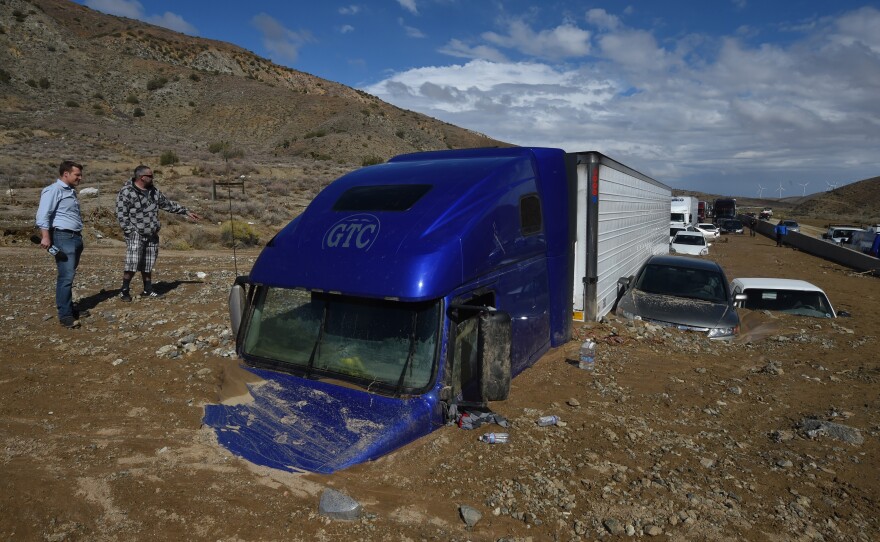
[(356, 231)]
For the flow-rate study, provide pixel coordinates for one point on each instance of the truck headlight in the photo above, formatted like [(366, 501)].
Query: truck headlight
[(723, 332)]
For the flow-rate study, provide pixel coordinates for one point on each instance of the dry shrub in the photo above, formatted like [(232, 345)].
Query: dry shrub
[(201, 238), (178, 244), (242, 232)]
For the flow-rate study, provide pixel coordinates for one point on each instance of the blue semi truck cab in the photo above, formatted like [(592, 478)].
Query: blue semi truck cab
[(403, 293), (411, 290)]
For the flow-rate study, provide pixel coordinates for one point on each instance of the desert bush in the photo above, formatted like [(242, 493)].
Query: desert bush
[(178, 244), (43, 82), (277, 218), (241, 233), (315, 133), (156, 83), (5, 77), (71, 103), (371, 161), (138, 112), (200, 238), (195, 77), (132, 99), (31, 83), (168, 158), (217, 146), (279, 188), (229, 154)]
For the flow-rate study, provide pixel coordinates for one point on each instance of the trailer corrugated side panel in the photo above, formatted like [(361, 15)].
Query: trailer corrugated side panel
[(622, 219)]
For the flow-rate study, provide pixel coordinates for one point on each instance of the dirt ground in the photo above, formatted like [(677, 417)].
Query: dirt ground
[(672, 437)]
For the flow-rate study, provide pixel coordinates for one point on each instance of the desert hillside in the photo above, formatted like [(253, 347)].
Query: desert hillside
[(114, 92)]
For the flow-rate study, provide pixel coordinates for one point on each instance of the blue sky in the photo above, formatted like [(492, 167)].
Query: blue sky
[(723, 96)]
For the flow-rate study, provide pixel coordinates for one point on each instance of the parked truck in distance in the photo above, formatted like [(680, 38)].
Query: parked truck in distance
[(409, 291), (723, 209), (683, 211)]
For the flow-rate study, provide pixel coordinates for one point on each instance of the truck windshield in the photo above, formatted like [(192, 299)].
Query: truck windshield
[(386, 346)]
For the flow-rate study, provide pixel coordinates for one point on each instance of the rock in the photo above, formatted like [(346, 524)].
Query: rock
[(573, 402), (336, 505), (653, 530), (470, 515), (816, 428), (613, 526)]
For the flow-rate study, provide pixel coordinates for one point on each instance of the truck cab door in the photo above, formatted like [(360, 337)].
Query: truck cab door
[(480, 356)]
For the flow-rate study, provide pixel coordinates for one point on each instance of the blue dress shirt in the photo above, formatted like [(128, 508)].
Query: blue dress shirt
[(59, 208)]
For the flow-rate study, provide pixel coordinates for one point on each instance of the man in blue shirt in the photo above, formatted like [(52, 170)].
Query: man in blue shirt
[(781, 231), (60, 222)]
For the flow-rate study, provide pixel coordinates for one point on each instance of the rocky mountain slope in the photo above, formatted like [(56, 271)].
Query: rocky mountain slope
[(76, 82)]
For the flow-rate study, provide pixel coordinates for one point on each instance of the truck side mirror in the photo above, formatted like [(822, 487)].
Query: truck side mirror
[(494, 348), (624, 282), (238, 302)]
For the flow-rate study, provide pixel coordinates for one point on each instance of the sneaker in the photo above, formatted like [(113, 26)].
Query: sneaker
[(151, 293), (125, 296), (69, 322)]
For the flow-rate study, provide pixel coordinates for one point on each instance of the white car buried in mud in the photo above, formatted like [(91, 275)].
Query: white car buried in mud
[(690, 243)]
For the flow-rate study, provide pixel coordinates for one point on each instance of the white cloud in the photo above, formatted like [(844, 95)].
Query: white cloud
[(350, 10), (458, 48), (172, 21), (411, 31), (283, 43), (123, 8), (409, 5), (135, 10), (603, 19), (346, 28), (691, 109), (564, 41)]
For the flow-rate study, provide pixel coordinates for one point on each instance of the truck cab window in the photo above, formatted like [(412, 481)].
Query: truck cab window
[(530, 214), (389, 345), (398, 197)]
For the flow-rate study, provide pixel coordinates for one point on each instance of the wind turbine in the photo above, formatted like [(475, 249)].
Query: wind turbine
[(804, 185), (831, 186), (780, 189), (760, 191)]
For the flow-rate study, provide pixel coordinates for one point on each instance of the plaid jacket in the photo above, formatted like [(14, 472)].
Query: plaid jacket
[(138, 210)]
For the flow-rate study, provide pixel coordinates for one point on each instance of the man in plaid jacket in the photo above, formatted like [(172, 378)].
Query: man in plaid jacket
[(137, 209)]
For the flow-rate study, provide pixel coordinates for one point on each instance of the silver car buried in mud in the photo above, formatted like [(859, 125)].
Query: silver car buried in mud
[(681, 292)]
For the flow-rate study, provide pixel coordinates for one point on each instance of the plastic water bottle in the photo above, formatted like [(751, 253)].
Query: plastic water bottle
[(494, 438), (544, 421), (587, 358)]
